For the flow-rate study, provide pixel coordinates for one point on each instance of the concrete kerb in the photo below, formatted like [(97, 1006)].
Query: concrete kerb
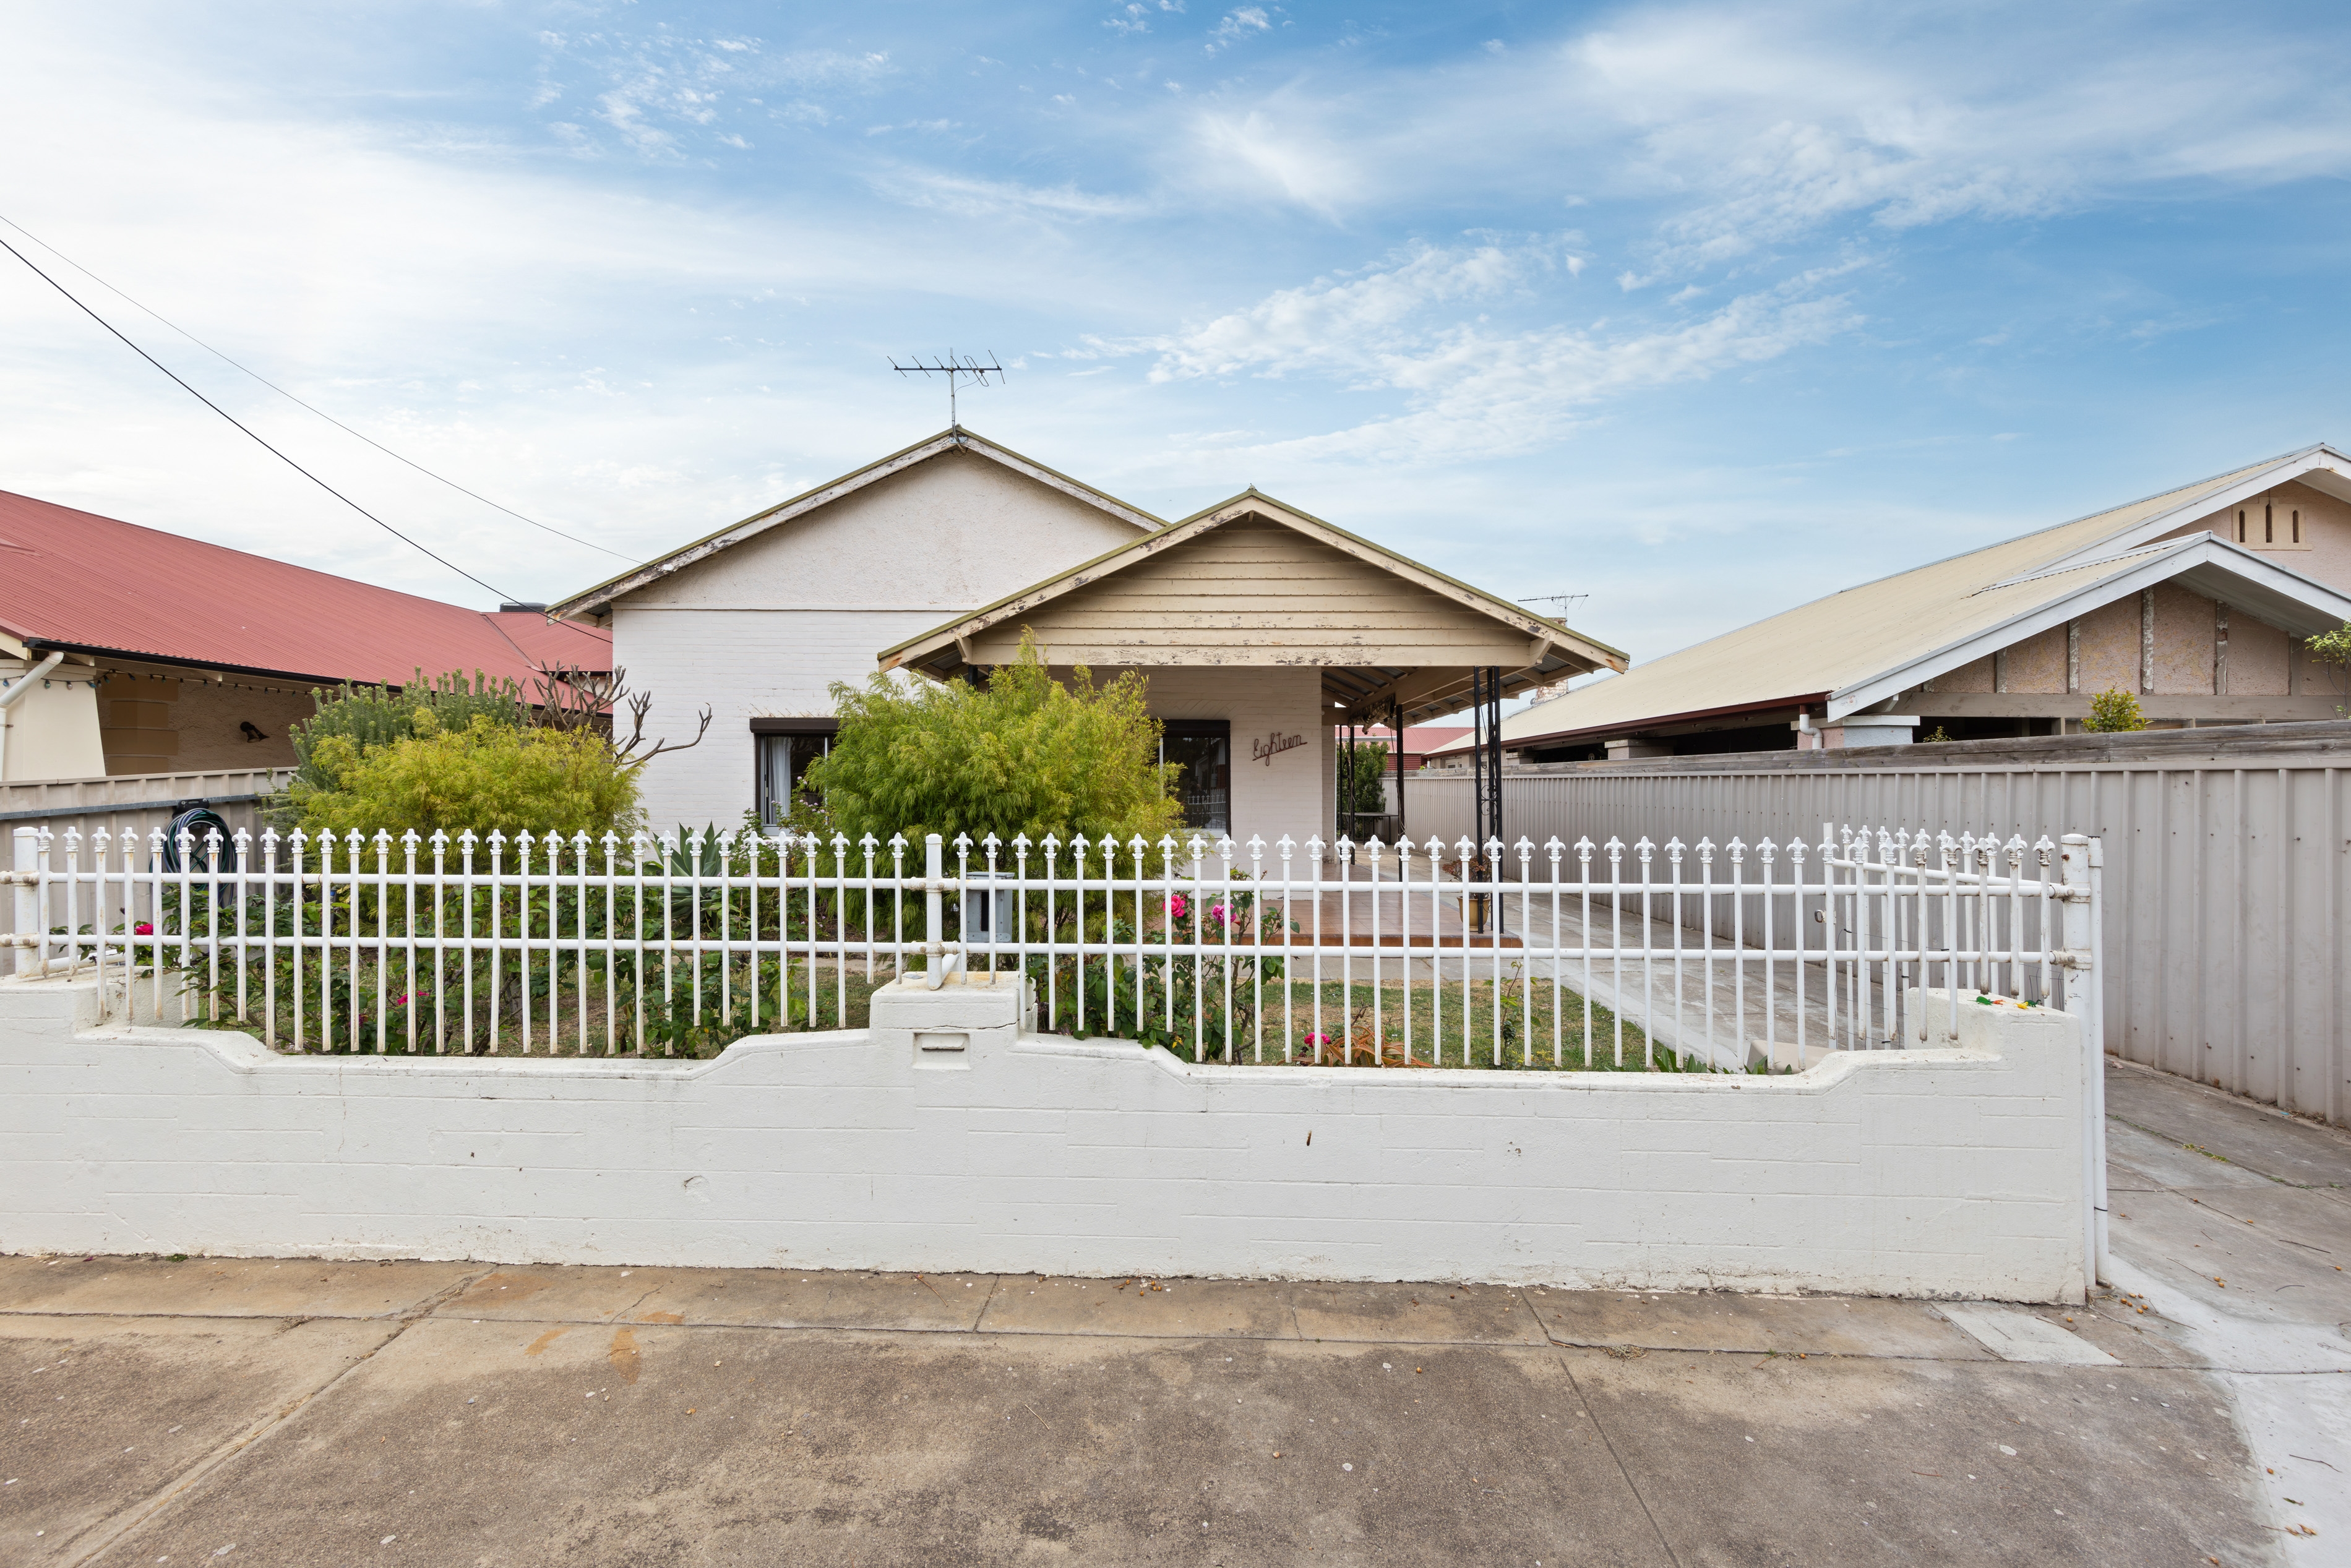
[(950, 1136)]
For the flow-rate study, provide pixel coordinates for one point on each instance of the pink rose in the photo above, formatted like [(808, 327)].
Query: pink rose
[(142, 929)]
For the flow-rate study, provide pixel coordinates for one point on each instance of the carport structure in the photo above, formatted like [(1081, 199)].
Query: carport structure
[(1255, 621)]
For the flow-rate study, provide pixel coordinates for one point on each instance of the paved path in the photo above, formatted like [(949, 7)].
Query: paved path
[(294, 1412)]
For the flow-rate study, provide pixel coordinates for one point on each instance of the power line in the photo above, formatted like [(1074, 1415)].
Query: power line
[(290, 397), (329, 489)]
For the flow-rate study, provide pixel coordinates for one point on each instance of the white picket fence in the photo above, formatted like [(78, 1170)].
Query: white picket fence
[(1588, 956)]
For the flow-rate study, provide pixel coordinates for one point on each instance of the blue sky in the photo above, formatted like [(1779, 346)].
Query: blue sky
[(1698, 310)]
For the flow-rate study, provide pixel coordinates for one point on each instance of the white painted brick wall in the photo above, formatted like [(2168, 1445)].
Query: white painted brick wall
[(1938, 1173), (765, 628)]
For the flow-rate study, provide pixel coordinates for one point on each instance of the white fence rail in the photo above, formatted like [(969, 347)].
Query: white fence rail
[(1598, 956)]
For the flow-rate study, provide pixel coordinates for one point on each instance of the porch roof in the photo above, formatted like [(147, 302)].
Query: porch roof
[(1253, 582)]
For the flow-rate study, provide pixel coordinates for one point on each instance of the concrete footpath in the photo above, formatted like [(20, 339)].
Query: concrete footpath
[(284, 1411)]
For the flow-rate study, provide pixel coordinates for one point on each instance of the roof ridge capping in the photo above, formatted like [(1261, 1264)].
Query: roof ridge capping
[(2205, 484), (2083, 563), (955, 438)]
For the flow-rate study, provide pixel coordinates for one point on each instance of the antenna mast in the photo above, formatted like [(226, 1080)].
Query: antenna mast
[(952, 366), (1561, 600)]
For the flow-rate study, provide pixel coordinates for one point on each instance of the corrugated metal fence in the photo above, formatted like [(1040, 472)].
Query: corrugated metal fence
[(130, 803), (2228, 877)]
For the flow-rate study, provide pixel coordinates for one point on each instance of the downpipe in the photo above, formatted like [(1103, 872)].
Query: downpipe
[(15, 695)]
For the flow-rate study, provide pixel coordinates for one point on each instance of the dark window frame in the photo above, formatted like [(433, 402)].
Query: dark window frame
[(764, 730), (1217, 729)]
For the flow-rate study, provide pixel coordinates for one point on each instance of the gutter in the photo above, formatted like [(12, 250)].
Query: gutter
[(1638, 726)]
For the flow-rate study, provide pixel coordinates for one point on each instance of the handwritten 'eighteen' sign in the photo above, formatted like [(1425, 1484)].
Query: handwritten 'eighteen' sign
[(1272, 746)]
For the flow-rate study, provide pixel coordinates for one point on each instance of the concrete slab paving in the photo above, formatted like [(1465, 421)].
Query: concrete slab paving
[(1842, 1460), (2252, 1137), (1414, 1314), (2138, 1160), (1148, 1308), (773, 1298), (1726, 1321), (105, 1415), (665, 1443), (2226, 1262), (224, 1287), (329, 1413)]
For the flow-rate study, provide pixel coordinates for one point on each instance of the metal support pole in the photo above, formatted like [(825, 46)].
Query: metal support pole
[(1346, 824), (2085, 862), (1494, 753), (934, 972), (1395, 738)]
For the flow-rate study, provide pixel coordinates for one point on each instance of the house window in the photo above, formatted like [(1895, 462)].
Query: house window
[(1203, 748), (2297, 524), (2240, 525), (2269, 526), (783, 749)]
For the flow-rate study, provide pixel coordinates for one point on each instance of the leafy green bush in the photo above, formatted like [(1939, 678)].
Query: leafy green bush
[(353, 721), (2114, 710), (2333, 650), (485, 775), (1021, 754), (1364, 790)]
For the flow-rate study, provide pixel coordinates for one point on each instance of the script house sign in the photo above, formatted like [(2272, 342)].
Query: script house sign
[(1272, 746)]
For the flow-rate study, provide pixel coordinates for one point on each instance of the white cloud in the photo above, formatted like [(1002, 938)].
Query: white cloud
[(975, 198), (1238, 22), (1473, 390), (1261, 152)]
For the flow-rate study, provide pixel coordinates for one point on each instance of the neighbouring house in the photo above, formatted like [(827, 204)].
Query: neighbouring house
[(1419, 740), (1256, 626), (142, 652), (2196, 600)]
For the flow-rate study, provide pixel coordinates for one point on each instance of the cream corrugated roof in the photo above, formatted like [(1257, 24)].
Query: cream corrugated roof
[(1861, 633)]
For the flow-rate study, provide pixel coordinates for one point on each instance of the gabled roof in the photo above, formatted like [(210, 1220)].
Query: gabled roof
[(955, 438), (1549, 649), (90, 584), (1866, 643)]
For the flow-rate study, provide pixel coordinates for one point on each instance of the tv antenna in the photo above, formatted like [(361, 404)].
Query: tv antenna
[(952, 366), (1561, 600)]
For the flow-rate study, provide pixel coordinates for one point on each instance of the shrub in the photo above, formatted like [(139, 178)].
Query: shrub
[(1020, 754), (1363, 792), (2333, 649), (2114, 710), (353, 721), (485, 775)]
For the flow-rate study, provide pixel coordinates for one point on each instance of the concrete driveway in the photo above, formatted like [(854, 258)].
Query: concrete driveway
[(295, 1412)]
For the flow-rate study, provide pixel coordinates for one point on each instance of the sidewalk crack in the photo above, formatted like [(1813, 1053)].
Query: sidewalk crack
[(103, 1536)]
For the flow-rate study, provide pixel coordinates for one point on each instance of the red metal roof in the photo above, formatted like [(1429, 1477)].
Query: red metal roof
[(1418, 738), (81, 581)]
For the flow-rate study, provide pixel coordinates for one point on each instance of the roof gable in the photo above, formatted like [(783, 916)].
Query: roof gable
[(1860, 645), (1252, 582), (956, 440)]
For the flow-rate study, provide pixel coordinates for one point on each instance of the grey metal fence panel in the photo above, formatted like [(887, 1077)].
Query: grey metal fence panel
[(130, 802), (2227, 879)]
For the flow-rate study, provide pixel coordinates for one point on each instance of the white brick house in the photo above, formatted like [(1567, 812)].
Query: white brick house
[(1256, 626)]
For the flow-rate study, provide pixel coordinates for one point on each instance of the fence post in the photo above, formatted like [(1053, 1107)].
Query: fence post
[(2084, 859), (28, 928), (934, 899)]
